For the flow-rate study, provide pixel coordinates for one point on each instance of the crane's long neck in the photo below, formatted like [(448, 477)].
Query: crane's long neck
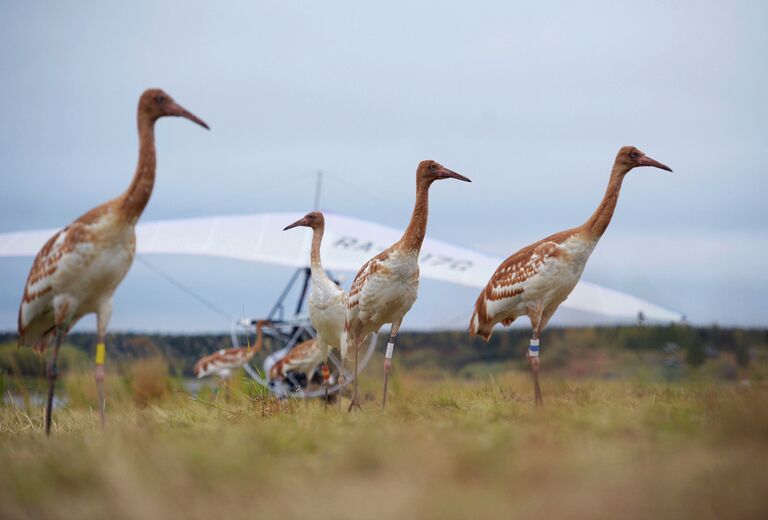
[(136, 197), (598, 222), (317, 239), (318, 273), (259, 339), (417, 228)]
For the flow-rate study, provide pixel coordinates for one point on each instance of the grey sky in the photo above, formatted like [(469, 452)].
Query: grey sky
[(530, 100)]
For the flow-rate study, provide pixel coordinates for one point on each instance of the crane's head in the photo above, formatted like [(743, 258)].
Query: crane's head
[(154, 103), (630, 157), (312, 220), (434, 171)]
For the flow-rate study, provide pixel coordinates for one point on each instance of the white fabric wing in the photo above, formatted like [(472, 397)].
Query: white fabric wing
[(347, 244)]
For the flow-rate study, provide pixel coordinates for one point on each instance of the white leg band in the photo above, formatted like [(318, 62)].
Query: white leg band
[(533, 350), (390, 349)]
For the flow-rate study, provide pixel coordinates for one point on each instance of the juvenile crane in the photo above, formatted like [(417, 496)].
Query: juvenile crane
[(78, 269), (225, 361), (302, 358), (327, 302), (386, 286), (535, 280)]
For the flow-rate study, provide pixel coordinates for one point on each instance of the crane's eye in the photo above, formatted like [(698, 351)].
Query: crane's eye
[(432, 166), (634, 155), (160, 99)]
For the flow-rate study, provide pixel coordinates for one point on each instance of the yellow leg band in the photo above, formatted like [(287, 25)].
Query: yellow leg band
[(101, 353)]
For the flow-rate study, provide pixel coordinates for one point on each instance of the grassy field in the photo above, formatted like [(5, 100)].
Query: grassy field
[(445, 448)]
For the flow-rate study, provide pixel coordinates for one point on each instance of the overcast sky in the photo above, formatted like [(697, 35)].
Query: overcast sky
[(531, 100)]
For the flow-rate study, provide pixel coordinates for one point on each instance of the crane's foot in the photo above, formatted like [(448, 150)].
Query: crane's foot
[(354, 404)]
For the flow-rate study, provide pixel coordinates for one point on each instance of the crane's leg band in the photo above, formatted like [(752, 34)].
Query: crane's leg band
[(388, 354), (533, 349), (101, 353)]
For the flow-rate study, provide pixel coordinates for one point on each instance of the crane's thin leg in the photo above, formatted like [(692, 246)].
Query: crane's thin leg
[(102, 319), (98, 371), (388, 360), (52, 375), (355, 403), (534, 362), (343, 354), (324, 368), (326, 378)]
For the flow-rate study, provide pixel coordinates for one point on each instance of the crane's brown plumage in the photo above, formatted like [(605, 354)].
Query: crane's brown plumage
[(57, 267), (370, 268), (535, 280), (509, 278)]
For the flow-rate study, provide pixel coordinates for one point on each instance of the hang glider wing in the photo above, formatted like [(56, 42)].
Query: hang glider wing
[(347, 244)]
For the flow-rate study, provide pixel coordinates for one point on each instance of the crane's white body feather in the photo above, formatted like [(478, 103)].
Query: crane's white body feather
[(77, 275), (555, 276), (327, 311), (387, 289)]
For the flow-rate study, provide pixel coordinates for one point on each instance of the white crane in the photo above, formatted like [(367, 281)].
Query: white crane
[(327, 301)]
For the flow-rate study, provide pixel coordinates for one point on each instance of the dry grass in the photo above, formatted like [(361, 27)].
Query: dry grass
[(149, 380), (444, 449)]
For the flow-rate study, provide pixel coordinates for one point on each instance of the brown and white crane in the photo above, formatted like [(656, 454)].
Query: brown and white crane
[(302, 358), (327, 301), (387, 285), (78, 269), (225, 361), (535, 280)]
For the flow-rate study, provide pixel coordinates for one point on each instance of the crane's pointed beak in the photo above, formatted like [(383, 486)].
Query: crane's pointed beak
[(301, 222), (180, 111), (647, 161), (445, 173)]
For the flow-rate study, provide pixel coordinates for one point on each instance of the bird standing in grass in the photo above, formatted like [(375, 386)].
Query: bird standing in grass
[(387, 285), (78, 269), (225, 361), (328, 301), (534, 281)]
